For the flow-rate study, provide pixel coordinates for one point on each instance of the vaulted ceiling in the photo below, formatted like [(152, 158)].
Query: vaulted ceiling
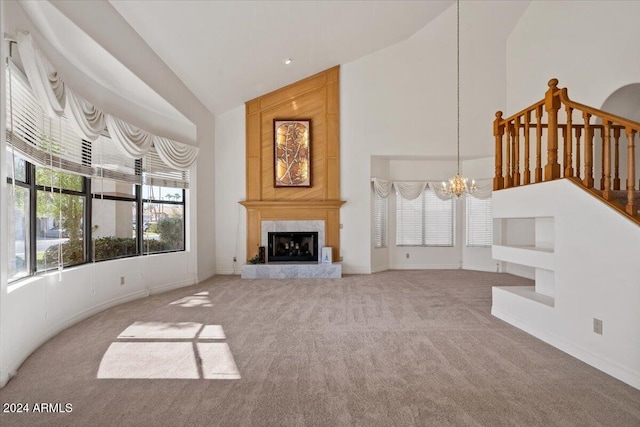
[(228, 52)]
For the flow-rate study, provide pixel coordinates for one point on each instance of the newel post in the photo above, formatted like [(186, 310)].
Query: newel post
[(498, 131), (552, 105)]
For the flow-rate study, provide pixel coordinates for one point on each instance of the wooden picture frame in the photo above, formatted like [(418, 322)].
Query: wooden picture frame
[(292, 153)]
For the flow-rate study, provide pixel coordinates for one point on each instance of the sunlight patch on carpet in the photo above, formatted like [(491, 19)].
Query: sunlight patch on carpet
[(169, 350)]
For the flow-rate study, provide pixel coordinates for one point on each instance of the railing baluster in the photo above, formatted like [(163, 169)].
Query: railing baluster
[(552, 105), (512, 133), (539, 143), (516, 152), (588, 151), (507, 133), (527, 172), (568, 143), (578, 164), (577, 158), (616, 159), (631, 172), (606, 161), (498, 131)]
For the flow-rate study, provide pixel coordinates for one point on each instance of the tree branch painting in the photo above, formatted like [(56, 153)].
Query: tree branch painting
[(292, 153)]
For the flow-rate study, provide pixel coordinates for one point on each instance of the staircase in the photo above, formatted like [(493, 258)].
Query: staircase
[(553, 160), (596, 148)]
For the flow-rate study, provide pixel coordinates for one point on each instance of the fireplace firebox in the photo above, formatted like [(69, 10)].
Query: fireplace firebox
[(298, 246)]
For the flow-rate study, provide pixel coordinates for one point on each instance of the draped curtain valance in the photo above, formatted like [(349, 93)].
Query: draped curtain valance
[(412, 189), (57, 99)]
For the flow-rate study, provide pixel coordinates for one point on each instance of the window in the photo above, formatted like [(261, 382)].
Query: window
[(479, 222), (59, 224), (19, 196), (425, 220), (379, 221), (163, 219), (114, 219), (63, 189)]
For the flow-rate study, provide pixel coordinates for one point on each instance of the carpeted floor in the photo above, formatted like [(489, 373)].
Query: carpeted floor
[(389, 349)]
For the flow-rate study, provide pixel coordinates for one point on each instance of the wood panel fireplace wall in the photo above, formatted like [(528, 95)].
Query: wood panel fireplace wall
[(315, 98)]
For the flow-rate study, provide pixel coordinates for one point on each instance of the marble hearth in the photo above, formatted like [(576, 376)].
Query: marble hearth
[(283, 270)]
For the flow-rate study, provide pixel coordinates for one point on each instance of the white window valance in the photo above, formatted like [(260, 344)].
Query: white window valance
[(57, 99), (411, 190)]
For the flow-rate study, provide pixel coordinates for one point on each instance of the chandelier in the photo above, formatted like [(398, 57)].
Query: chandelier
[(458, 185)]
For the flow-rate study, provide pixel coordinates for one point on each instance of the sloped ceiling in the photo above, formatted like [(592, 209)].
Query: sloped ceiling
[(227, 52)]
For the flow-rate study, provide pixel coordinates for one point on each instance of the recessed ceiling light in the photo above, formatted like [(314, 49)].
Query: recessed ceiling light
[(287, 61)]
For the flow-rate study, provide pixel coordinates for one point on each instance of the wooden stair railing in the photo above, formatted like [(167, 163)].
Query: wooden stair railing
[(579, 129)]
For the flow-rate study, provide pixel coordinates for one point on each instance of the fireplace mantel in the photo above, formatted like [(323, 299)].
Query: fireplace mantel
[(292, 204)]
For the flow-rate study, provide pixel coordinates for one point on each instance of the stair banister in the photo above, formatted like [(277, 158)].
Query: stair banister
[(509, 172)]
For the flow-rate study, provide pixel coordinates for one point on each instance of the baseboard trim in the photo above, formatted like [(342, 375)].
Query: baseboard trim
[(169, 287), (424, 267), (614, 369), (351, 270), (209, 274), (21, 356), (479, 268), (379, 268), (228, 272), (17, 361)]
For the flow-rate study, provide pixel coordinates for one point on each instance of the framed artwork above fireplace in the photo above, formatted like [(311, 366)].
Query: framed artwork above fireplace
[(292, 153)]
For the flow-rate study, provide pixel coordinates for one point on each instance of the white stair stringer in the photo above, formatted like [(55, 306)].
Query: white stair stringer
[(587, 261)]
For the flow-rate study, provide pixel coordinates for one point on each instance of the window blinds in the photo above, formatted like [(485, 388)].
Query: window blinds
[(479, 222), (379, 221), (40, 139), (156, 172), (425, 220), (54, 143), (109, 162)]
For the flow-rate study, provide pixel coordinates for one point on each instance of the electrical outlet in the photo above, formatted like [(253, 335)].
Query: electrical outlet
[(597, 326), (340, 259), (121, 280), (407, 255)]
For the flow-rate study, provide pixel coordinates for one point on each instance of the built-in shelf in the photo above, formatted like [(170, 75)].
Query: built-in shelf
[(531, 256), (528, 292)]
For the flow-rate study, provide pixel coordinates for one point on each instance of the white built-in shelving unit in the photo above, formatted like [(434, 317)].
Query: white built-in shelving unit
[(529, 243)]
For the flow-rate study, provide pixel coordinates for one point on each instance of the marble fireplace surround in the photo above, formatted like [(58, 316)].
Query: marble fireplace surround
[(267, 227), (281, 270)]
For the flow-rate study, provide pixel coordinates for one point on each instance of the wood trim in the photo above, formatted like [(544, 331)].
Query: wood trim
[(316, 98), (290, 204)]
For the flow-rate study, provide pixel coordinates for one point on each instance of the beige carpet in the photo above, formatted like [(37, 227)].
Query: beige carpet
[(390, 349)]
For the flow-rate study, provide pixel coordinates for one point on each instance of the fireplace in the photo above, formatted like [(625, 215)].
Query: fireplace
[(292, 246)]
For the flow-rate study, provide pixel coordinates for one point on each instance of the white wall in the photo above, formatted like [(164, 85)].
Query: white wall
[(590, 46), (401, 101), (596, 276), (230, 188), (380, 256)]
